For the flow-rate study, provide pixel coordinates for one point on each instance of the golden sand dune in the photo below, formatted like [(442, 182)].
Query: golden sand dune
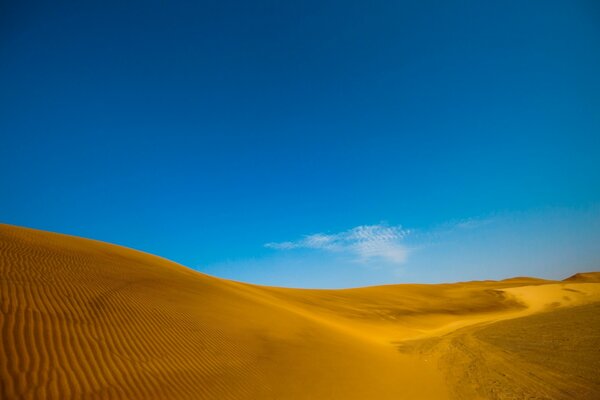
[(86, 319)]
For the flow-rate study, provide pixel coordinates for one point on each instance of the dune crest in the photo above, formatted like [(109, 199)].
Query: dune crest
[(86, 319)]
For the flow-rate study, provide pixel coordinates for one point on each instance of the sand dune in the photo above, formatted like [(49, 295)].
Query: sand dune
[(86, 319)]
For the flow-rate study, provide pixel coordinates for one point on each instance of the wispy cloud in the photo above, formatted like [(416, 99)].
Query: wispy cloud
[(364, 243)]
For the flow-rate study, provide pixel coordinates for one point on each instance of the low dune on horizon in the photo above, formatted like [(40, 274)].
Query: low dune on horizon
[(86, 319)]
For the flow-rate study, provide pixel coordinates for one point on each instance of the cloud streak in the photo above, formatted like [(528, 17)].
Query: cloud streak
[(364, 243)]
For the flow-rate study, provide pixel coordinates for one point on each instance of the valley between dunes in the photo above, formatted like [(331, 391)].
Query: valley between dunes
[(82, 319)]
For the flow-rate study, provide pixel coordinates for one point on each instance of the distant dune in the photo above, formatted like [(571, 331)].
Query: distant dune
[(85, 319), (584, 277)]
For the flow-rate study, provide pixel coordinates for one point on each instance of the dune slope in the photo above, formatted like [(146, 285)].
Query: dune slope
[(85, 319)]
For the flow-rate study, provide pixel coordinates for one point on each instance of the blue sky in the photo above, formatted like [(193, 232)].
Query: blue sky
[(212, 133)]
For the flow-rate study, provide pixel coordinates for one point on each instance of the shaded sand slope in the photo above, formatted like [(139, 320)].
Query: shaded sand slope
[(86, 319), (550, 355)]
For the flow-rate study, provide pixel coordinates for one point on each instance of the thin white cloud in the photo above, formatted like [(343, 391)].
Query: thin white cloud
[(364, 243)]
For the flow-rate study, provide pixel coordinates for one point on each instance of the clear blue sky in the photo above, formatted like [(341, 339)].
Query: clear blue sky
[(213, 133)]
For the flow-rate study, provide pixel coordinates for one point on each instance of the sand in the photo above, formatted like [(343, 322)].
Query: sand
[(86, 319)]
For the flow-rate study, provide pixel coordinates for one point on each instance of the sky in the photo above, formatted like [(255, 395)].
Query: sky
[(309, 144)]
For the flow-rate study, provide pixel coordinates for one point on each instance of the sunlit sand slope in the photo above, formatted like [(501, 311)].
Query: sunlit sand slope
[(86, 319)]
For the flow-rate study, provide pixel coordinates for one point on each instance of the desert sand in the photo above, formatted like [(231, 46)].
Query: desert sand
[(86, 319)]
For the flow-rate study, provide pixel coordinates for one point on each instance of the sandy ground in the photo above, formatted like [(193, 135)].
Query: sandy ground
[(86, 319)]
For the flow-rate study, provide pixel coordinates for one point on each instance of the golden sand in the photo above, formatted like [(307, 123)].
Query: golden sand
[(85, 319)]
